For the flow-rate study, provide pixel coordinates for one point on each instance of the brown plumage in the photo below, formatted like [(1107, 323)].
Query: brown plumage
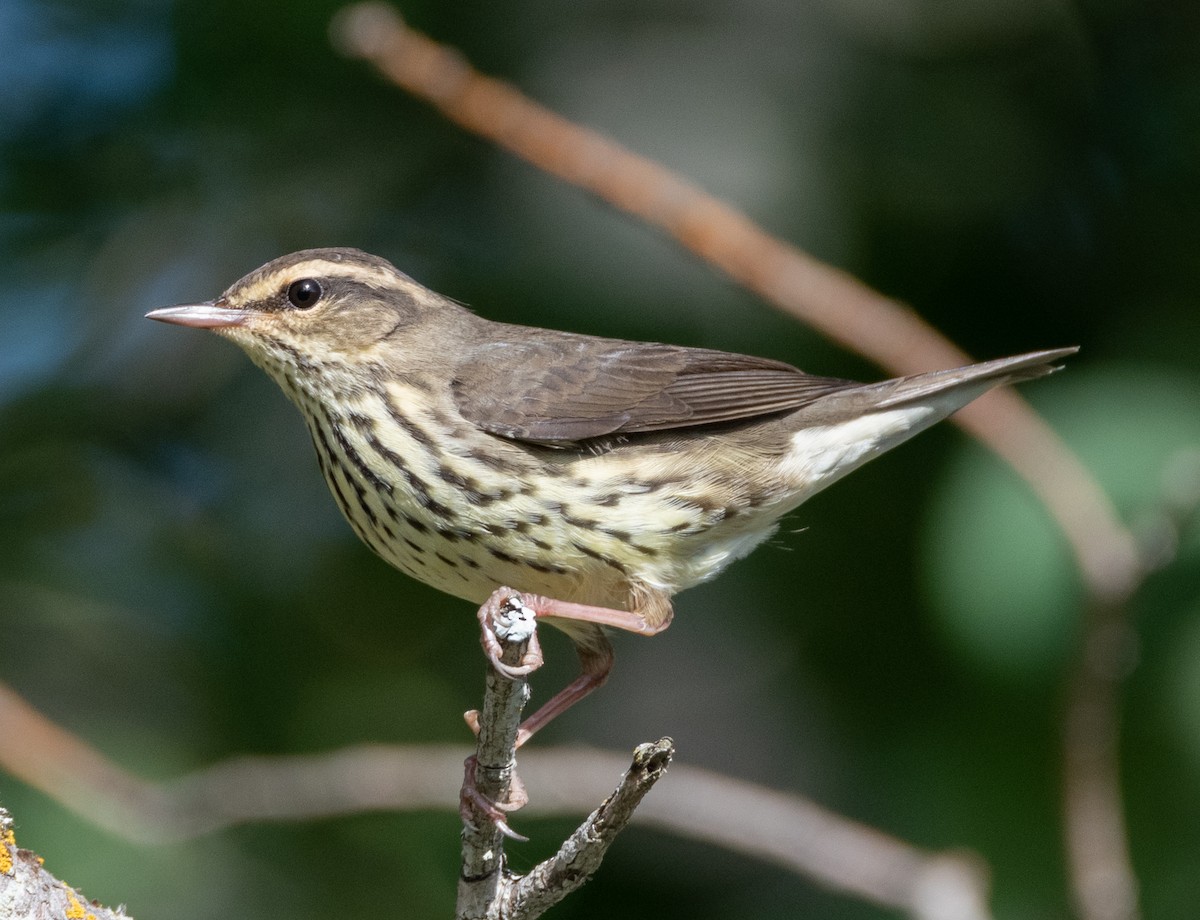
[(600, 475)]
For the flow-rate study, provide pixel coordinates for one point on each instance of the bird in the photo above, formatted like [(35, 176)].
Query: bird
[(593, 478)]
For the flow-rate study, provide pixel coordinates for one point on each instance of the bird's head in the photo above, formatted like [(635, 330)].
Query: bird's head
[(320, 308)]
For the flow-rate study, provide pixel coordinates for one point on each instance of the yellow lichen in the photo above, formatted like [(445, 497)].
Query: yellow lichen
[(7, 840), (75, 910)]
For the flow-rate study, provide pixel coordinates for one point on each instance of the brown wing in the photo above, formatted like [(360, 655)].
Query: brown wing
[(557, 387)]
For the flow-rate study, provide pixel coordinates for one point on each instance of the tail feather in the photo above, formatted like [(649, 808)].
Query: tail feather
[(983, 376)]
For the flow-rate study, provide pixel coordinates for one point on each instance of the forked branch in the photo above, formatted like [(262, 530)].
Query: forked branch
[(486, 889)]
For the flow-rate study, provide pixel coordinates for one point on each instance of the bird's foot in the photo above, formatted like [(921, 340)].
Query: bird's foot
[(506, 617), (472, 803)]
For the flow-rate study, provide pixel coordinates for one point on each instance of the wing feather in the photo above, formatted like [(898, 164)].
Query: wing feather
[(551, 387)]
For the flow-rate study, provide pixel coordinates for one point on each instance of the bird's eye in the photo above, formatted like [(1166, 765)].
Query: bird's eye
[(304, 293)]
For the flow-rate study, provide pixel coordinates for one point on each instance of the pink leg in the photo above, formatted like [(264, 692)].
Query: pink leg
[(595, 653), (595, 659), (596, 662), (630, 621)]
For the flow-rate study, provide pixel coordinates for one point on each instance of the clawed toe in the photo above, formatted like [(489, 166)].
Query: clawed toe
[(473, 803), (505, 615)]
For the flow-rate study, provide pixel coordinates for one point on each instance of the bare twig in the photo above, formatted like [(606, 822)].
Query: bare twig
[(28, 891), (486, 889), (491, 770), (853, 314), (580, 855)]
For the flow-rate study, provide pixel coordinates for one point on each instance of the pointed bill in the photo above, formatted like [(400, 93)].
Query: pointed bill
[(199, 316)]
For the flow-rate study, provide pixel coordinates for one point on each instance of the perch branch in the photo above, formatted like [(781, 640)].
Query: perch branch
[(580, 855), (509, 631), (486, 889)]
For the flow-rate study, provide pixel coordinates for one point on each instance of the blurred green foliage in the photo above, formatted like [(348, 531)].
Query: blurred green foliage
[(176, 586)]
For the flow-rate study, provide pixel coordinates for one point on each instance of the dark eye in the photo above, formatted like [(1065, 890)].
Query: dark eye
[(304, 293)]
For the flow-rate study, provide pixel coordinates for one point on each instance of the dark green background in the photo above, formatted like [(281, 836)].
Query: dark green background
[(177, 587)]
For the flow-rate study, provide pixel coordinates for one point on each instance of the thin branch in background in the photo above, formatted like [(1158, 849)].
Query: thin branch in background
[(1104, 885), (46, 756), (784, 829), (1104, 890), (878, 327)]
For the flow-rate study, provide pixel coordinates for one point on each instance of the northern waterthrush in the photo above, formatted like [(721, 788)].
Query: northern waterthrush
[(600, 476)]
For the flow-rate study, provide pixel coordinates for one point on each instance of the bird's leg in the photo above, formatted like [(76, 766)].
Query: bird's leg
[(497, 615), (652, 613), (596, 661), (595, 652)]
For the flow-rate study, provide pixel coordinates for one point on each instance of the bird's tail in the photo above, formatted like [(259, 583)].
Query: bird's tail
[(978, 377)]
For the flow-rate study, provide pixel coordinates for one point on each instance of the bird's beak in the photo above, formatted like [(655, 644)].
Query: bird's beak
[(200, 316)]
